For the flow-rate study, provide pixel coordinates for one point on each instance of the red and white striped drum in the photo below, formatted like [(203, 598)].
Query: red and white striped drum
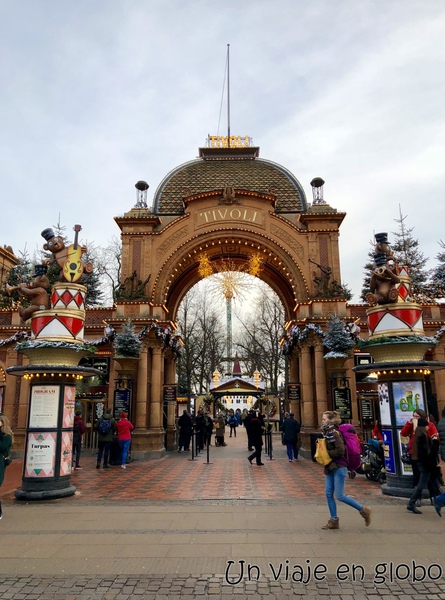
[(66, 295), (401, 319), (58, 326)]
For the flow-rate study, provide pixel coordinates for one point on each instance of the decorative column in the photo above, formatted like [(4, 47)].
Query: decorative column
[(141, 391), (140, 438), (398, 344), (156, 430), (54, 352), (307, 396), (320, 380)]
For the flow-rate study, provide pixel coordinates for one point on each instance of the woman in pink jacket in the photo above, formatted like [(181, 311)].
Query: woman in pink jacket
[(124, 429)]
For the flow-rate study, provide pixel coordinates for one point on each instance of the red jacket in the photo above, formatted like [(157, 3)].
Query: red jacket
[(124, 429), (408, 431)]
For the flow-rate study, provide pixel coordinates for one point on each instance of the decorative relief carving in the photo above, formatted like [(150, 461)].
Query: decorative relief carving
[(229, 196), (170, 241), (326, 309), (288, 239)]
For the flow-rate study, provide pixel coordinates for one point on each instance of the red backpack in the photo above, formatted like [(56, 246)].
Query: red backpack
[(352, 446)]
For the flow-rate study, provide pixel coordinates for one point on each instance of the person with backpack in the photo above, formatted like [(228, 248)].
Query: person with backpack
[(233, 424), (337, 470), (78, 431), (106, 429)]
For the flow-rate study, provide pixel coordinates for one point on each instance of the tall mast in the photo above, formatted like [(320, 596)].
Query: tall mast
[(228, 93)]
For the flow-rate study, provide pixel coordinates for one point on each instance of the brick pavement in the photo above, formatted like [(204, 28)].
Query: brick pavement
[(168, 528)]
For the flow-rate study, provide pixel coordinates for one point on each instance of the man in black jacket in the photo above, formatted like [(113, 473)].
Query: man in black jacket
[(256, 439), (291, 429)]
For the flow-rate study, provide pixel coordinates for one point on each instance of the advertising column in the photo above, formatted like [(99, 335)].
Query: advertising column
[(48, 450)]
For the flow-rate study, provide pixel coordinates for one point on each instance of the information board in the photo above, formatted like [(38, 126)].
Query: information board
[(169, 393), (293, 392), (367, 409), (342, 402), (122, 402)]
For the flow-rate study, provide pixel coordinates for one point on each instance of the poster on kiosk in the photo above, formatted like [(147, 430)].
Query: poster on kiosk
[(398, 400)]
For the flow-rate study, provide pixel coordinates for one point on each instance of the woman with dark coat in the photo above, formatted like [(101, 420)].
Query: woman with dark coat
[(425, 453), (441, 430), (185, 431), (6, 439), (256, 439)]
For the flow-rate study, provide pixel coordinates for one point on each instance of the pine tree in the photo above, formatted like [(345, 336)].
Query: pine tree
[(127, 344), (437, 281), (21, 273), (92, 280), (406, 251), (337, 338)]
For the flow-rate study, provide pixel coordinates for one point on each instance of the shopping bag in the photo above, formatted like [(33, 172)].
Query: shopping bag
[(321, 452)]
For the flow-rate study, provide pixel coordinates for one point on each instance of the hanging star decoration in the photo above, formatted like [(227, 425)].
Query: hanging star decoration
[(229, 278)]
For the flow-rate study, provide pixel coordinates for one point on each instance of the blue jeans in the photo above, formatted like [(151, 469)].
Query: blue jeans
[(291, 449), (335, 484), (124, 446)]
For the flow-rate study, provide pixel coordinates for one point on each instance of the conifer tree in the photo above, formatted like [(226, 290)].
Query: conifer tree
[(337, 338), (437, 281), (21, 273), (92, 280), (127, 344), (406, 251)]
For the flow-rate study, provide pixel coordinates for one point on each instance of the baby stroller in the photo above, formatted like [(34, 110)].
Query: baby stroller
[(373, 462)]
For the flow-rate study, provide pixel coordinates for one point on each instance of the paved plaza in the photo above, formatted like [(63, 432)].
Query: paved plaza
[(221, 529)]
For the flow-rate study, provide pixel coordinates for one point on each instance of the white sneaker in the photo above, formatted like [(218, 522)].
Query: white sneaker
[(123, 466)]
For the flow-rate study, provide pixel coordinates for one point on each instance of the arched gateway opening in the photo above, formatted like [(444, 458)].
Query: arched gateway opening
[(227, 204)]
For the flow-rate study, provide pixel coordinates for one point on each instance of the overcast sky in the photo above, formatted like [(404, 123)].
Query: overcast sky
[(97, 94)]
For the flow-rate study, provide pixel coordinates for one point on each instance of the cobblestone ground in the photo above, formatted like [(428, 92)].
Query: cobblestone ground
[(207, 586)]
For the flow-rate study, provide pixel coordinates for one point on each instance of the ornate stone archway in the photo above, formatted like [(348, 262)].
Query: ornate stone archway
[(229, 204)]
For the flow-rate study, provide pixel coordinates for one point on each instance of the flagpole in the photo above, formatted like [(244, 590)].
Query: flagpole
[(228, 94)]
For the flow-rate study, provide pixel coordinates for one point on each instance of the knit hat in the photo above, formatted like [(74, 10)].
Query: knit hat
[(422, 423), (123, 415)]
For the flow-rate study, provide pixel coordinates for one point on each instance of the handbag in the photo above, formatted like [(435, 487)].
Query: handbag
[(406, 458), (321, 453)]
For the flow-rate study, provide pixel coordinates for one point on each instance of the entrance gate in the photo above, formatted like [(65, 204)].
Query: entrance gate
[(227, 204)]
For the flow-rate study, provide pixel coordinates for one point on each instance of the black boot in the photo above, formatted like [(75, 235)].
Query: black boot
[(411, 506)]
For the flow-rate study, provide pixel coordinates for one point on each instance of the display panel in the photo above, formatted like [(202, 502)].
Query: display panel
[(403, 448), (44, 409), (407, 397), (385, 412), (40, 454), (69, 401)]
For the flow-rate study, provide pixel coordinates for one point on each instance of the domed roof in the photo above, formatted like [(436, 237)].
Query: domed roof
[(242, 171)]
